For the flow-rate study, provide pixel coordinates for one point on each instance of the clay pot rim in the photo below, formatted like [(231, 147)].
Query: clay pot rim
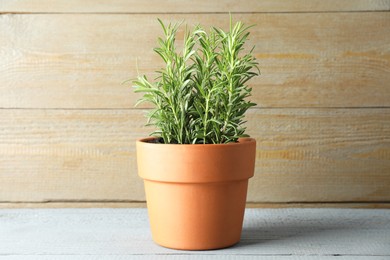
[(241, 141), (196, 163)]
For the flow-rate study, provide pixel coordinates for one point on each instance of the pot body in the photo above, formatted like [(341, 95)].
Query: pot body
[(196, 194)]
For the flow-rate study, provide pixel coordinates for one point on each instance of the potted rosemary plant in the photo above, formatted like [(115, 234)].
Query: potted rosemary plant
[(197, 163)]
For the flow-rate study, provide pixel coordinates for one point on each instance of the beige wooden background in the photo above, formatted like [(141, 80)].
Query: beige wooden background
[(68, 125)]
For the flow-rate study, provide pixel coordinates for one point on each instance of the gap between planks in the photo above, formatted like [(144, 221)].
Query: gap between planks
[(194, 13), (141, 204), (147, 109), (199, 6)]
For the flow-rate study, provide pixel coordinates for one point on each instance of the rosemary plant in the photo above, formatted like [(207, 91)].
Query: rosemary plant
[(200, 95)]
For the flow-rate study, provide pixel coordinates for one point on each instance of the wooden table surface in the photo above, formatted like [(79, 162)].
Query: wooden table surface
[(288, 233)]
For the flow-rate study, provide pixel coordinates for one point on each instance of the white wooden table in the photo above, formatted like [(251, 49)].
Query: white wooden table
[(124, 234)]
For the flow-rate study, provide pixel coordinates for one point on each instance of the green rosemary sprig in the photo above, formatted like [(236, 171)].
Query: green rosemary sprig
[(200, 95)]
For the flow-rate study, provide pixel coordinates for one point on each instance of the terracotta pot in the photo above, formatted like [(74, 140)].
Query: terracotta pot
[(196, 194)]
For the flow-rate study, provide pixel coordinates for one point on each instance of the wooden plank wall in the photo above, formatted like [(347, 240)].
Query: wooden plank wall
[(68, 125)]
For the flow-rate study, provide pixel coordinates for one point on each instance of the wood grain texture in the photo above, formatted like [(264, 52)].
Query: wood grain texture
[(69, 155), (321, 155), (68, 126), (125, 234), (188, 6), (306, 59), (303, 155)]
